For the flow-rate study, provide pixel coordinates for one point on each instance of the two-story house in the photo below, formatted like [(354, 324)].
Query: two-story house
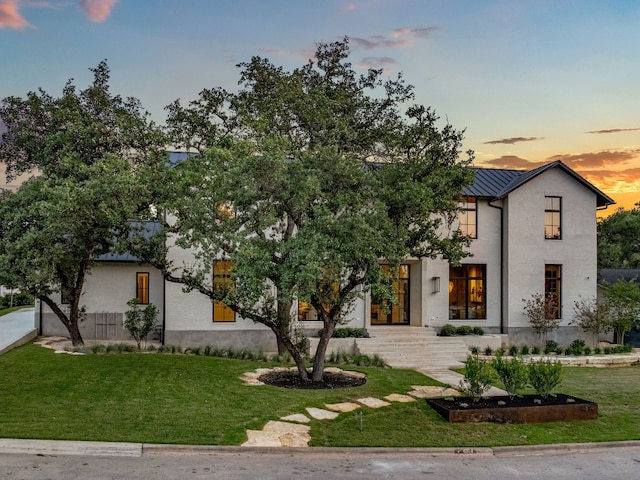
[(532, 232)]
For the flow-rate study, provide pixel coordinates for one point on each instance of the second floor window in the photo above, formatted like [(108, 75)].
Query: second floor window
[(469, 217), (552, 218)]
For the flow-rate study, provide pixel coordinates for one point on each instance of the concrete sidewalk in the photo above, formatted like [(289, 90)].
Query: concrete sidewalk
[(17, 328)]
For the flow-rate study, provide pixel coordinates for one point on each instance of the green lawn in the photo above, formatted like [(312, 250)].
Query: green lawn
[(157, 398), (4, 311)]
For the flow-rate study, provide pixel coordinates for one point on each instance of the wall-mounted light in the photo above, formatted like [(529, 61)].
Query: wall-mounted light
[(435, 284)]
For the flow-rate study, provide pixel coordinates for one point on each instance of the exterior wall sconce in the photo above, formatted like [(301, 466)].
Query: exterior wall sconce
[(435, 284)]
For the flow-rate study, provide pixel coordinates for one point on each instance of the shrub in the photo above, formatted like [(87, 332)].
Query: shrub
[(587, 350), (513, 374), (551, 347), (524, 350), (597, 351), (499, 351), (576, 347), (544, 376), (488, 350), (464, 330), (447, 330), (513, 350), (542, 312), (474, 350), (477, 378), (140, 322), (478, 331), (346, 332), (535, 350)]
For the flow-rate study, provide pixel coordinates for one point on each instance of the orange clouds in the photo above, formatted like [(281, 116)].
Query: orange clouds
[(97, 10), (10, 16)]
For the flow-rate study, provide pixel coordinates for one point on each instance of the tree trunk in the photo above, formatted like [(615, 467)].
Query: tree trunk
[(295, 353), (67, 321), (284, 324), (321, 351)]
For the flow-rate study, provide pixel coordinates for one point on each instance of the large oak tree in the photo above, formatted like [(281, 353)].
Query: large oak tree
[(307, 181), (91, 155)]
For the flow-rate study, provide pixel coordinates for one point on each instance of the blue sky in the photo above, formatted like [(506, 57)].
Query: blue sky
[(530, 81)]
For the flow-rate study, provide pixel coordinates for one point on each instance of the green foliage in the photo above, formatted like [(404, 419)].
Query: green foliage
[(551, 346), (139, 323), (474, 350), (464, 330), (577, 347), (597, 351), (618, 235), (290, 153), (94, 153), (478, 331), (535, 350), (513, 350), (447, 330), (544, 376), (488, 350), (477, 378), (346, 332), (542, 312), (593, 316), (624, 305), (524, 350), (513, 374), (18, 299)]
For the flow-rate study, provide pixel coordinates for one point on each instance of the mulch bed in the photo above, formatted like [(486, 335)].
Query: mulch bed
[(330, 380)]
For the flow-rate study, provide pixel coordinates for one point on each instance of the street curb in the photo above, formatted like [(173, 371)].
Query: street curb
[(63, 447), (156, 449), (119, 449), (556, 449)]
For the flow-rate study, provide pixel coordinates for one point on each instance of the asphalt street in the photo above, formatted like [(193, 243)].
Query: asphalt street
[(590, 462)]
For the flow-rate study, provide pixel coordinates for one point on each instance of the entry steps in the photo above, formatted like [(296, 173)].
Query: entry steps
[(413, 347)]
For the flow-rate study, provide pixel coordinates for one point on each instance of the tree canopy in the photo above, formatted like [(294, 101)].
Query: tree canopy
[(619, 239), (306, 182), (92, 154)]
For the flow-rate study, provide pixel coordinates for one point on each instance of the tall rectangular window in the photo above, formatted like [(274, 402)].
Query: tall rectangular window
[(398, 311), (552, 288), (222, 282), (467, 292), (552, 218), (142, 287), (468, 217)]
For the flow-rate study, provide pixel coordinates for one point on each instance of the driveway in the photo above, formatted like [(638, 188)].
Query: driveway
[(17, 328)]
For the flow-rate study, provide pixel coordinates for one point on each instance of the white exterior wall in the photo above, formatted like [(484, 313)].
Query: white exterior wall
[(108, 287), (528, 252)]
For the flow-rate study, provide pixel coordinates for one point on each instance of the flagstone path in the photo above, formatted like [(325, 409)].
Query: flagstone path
[(291, 431)]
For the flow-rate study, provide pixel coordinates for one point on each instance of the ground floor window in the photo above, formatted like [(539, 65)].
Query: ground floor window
[(306, 312), (222, 280), (552, 290), (142, 287), (398, 311), (467, 292)]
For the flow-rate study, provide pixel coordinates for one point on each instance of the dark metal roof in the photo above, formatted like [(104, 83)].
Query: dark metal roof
[(611, 275), (498, 183), (148, 229), (489, 182)]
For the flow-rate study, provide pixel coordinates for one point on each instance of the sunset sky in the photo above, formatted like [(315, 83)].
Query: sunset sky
[(530, 81)]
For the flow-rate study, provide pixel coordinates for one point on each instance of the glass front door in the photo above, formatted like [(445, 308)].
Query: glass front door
[(398, 311)]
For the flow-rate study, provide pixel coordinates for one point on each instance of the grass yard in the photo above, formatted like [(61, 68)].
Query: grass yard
[(155, 398), (5, 311)]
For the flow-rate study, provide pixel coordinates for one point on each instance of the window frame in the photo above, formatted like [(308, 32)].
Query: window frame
[(402, 296), (140, 288), (469, 284), (555, 212), (554, 291), (221, 312), (467, 212)]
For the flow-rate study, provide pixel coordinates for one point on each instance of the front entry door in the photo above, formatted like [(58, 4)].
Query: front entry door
[(398, 313)]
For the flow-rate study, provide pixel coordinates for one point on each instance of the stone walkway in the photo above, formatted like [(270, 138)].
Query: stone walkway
[(292, 431)]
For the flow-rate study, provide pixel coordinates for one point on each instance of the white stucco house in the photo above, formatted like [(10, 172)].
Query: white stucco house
[(533, 232)]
